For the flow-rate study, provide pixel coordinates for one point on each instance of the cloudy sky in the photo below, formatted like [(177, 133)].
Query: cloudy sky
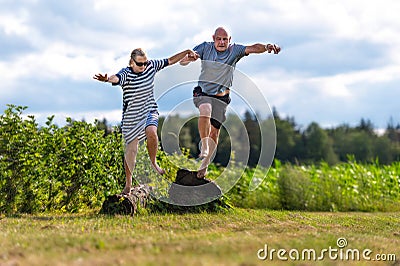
[(340, 60)]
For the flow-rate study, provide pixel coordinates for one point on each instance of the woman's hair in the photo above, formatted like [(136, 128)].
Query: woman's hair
[(137, 52)]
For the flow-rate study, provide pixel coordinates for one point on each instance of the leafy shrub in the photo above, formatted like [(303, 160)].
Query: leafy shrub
[(293, 188), (52, 168)]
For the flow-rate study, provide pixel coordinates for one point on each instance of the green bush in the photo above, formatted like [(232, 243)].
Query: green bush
[(265, 196), (294, 187), (52, 168)]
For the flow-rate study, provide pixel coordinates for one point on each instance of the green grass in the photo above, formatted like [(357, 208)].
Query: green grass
[(227, 238)]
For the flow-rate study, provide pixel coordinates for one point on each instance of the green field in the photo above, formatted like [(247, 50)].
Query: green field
[(227, 238)]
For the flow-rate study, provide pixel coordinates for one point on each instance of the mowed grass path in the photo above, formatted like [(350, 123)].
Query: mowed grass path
[(230, 238)]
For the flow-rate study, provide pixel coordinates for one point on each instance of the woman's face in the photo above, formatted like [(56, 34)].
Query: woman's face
[(139, 63)]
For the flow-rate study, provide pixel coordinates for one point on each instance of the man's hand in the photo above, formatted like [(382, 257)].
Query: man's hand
[(190, 57), (100, 77), (273, 47)]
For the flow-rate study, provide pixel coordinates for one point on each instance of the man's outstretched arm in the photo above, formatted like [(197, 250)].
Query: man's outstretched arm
[(259, 48)]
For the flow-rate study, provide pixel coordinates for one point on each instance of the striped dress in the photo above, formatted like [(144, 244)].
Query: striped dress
[(138, 98)]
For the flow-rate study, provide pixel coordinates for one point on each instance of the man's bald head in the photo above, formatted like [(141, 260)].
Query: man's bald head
[(221, 39)]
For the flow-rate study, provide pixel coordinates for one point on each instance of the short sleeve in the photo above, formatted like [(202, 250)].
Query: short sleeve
[(122, 75), (199, 49), (239, 50), (159, 64)]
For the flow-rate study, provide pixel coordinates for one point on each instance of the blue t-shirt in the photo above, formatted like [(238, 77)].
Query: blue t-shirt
[(217, 67)]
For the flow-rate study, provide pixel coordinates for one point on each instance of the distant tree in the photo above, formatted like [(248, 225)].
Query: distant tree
[(254, 134), (361, 146), (103, 125), (268, 144), (318, 145), (341, 141), (192, 126), (237, 138), (384, 150), (176, 134), (392, 131), (185, 139), (288, 139), (223, 154), (366, 126)]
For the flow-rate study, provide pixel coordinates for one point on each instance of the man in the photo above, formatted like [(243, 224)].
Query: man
[(211, 96), (140, 115)]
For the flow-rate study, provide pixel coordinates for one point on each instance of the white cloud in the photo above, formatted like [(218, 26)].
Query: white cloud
[(11, 24), (333, 99), (333, 50)]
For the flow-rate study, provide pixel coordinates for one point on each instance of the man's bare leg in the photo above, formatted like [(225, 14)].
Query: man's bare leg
[(212, 144), (204, 127), (129, 164), (152, 147)]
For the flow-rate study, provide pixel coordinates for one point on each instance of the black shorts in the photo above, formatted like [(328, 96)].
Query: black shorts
[(218, 105)]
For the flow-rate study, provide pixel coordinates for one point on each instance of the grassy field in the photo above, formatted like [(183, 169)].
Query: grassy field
[(236, 237)]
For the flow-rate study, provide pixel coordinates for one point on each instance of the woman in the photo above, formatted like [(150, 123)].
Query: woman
[(140, 115)]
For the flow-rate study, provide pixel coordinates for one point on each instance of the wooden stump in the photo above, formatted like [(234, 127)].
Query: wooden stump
[(126, 204), (188, 190)]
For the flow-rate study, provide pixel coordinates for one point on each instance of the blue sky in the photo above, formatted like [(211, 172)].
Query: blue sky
[(340, 60)]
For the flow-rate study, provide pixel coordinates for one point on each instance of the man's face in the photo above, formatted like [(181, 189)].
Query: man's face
[(221, 40)]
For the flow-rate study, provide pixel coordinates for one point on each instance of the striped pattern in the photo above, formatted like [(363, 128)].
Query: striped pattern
[(138, 98), (139, 130)]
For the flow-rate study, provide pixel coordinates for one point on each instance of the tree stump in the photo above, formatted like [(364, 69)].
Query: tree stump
[(188, 190), (126, 204)]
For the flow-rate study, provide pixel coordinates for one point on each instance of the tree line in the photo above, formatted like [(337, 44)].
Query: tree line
[(337, 144), (310, 145), (294, 144)]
